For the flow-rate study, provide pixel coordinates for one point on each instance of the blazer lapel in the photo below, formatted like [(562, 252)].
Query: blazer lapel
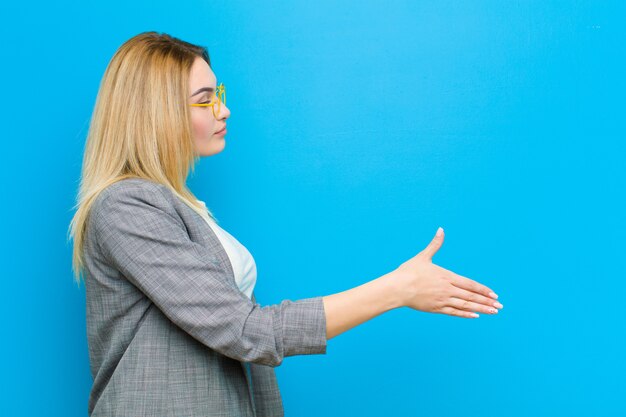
[(200, 231)]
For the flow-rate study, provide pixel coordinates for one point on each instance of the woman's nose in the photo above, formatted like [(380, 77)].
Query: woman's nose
[(225, 112)]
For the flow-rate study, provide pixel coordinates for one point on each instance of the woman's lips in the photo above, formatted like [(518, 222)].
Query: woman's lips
[(221, 132)]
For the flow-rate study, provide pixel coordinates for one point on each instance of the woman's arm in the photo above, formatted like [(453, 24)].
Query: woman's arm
[(418, 284)]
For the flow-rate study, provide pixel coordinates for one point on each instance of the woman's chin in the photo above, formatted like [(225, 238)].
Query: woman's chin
[(215, 147)]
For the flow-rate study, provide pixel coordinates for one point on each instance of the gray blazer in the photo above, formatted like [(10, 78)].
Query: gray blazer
[(169, 331)]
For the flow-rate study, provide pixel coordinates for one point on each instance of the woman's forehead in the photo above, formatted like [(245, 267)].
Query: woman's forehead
[(201, 76)]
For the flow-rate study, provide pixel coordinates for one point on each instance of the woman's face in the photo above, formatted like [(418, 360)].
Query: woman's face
[(204, 124)]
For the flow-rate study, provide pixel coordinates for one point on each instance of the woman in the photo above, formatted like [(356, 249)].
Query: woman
[(172, 322)]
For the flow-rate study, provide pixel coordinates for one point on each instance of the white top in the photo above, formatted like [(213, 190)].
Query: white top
[(241, 259)]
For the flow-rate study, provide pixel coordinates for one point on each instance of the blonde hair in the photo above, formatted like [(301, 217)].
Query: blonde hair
[(140, 126)]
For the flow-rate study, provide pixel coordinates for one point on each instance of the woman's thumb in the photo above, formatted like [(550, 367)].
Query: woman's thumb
[(434, 244)]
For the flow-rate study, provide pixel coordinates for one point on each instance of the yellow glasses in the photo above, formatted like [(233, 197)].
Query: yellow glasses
[(220, 94)]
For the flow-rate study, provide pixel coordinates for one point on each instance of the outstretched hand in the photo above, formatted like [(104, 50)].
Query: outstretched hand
[(433, 289)]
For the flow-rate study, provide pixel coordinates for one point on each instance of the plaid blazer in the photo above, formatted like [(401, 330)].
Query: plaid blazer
[(169, 332)]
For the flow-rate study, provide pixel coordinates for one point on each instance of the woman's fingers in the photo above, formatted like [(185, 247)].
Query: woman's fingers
[(465, 305), (470, 285), (478, 299), (451, 311)]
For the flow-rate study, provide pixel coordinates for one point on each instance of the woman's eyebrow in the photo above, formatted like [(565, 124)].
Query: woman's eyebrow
[(209, 89)]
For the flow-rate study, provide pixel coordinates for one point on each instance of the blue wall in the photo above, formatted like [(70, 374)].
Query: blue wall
[(356, 130)]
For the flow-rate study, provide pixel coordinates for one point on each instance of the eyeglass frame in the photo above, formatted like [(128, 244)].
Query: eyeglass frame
[(220, 92)]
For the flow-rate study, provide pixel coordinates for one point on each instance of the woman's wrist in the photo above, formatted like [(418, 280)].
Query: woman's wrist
[(396, 290)]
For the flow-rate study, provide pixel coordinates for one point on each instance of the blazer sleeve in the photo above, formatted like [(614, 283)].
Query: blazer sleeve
[(140, 238)]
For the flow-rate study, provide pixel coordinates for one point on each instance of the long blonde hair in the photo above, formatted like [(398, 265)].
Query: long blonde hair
[(140, 126)]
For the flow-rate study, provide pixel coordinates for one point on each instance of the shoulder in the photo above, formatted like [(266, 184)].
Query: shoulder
[(131, 211), (129, 184), (134, 194)]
